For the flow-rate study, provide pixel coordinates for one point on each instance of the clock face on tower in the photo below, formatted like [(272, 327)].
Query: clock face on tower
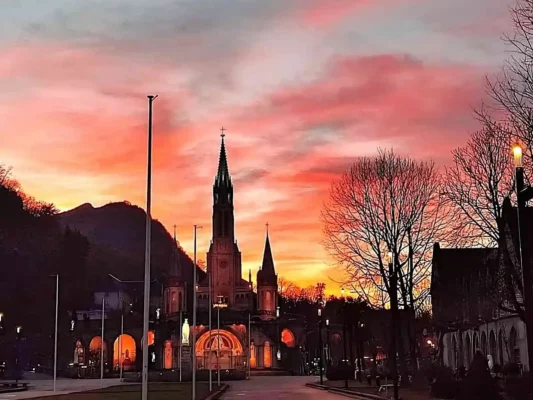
[(223, 264)]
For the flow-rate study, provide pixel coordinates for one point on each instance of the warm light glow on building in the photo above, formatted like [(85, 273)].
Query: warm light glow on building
[(287, 337), (253, 360), (151, 338), (124, 352), (167, 357), (267, 355)]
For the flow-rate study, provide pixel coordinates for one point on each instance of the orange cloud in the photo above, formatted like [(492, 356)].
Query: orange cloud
[(75, 131)]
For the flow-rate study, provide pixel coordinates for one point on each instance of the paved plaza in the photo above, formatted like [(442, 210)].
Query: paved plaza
[(277, 387), (44, 387)]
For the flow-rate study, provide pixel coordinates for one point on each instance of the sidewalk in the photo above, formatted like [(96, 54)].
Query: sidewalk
[(363, 390)]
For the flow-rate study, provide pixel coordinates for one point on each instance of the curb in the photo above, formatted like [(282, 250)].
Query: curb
[(355, 394), (216, 395), (344, 392)]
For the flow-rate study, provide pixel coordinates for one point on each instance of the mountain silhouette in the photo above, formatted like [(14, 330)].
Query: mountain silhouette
[(116, 233)]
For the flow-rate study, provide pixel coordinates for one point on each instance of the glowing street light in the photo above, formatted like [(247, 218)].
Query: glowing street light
[(517, 154)]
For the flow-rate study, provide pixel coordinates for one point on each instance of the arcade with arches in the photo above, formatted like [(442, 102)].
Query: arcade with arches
[(219, 347)]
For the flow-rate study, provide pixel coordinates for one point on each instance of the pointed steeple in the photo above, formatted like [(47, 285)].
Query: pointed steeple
[(268, 261), (223, 178), (266, 276)]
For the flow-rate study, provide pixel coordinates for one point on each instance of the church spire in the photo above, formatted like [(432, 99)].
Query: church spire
[(267, 267), (223, 178)]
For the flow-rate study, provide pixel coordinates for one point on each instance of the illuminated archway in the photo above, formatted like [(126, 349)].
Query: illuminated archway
[(267, 355), (287, 337), (253, 359), (151, 339), (124, 352), (168, 355), (95, 350), (220, 347)]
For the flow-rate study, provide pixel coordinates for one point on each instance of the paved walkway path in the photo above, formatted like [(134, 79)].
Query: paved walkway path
[(44, 387), (277, 387)]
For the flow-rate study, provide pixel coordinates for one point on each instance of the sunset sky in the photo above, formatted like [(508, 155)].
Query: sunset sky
[(303, 87)]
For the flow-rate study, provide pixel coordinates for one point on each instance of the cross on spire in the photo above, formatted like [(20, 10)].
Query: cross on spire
[(174, 232), (267, 227), (222, 130)]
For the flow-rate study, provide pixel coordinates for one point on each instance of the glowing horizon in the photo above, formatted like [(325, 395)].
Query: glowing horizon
[(303, 88)]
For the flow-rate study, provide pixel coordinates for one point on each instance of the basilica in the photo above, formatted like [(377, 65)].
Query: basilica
[(239, 327), (245, 325)]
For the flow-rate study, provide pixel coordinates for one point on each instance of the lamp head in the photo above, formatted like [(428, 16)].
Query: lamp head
[(517, 155)]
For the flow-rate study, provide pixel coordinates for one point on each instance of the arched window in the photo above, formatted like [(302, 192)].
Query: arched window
[(500, 347), (492, 346), (168, 355), (267, 355), (468, 350), (287, 337), (484, 344), (454, 353), (180, 301), (513, 346), (95, 349), (124, 352)]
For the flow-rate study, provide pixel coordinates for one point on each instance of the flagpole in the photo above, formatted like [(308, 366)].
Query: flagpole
[(146, 310), (249, 345), (55, 334), (121, 361), (209, 351), (103, 343), (180, 340)]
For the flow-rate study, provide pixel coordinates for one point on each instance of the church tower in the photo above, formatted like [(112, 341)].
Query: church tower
[(224, 257), (267, 283), (174, 293)]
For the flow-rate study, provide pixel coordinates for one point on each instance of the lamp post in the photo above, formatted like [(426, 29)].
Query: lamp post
[(209, 361), (195, 289), (327, 343), (144, 391), (344, 356), (394, 310), (524, 194), (320, 344), (220, 304), (55, 331)]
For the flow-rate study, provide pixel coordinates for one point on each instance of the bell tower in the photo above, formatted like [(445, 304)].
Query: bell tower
[(267, 283), (223, 257)]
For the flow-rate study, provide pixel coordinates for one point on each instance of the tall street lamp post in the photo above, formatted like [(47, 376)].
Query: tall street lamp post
[(394, 311), (220, 304), (327, 343), (524, 194), (195, 289), (320, 344), (144, 391)]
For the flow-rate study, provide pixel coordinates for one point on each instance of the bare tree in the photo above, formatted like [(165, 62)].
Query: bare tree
[(385, 204), (6, 179), (286, 288), (513, 89), (478, 181)]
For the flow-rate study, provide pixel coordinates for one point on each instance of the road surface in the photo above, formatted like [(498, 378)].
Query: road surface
[(277, 388), (44, 387)]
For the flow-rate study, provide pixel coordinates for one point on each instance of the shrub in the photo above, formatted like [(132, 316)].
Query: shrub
[(511, 368), (444, 386), (479, 383), (518, 387), (339, 373)]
